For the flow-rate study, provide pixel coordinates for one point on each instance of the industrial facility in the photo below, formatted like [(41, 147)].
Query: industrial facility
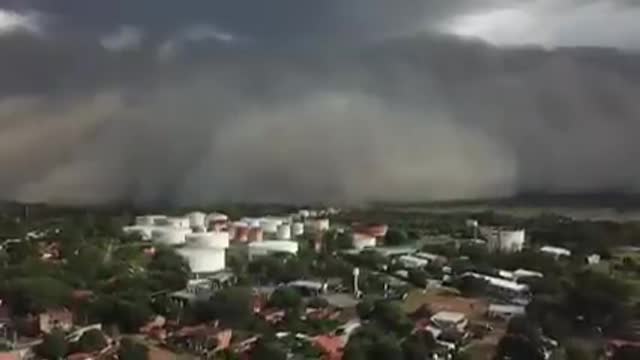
[(202, 239)]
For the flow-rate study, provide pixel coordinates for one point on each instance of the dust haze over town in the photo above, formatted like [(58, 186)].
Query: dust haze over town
[(345, 101)]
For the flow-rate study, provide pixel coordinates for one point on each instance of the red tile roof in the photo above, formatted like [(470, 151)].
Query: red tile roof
[(80, 356), (331, 346)]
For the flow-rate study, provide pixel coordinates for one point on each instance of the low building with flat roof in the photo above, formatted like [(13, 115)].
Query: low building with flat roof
[(450, 320), (556, 252), (505, 312)]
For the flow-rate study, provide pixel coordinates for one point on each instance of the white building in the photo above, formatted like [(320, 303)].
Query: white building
[(309, 288), (505, 312), (502, 287), (267, 247), (429, 256), (500, 240), (449, 320), (555, 252), (412, 262), (523, 273), (362, 241), (593, 259)]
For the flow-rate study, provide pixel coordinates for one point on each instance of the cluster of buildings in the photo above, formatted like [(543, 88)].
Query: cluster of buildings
[(204, 238)]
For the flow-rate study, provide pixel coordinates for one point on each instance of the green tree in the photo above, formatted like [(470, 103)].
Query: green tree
[(371, 342), (286, 298), (365, 307), (471, 286), (418, 277), (265, 349), (233, 306), (395, 237), (169, 269), (418, 346), (578, 350), (522, 341), (131, 350), (355, 350), (390, 315), (92, 340), (33, 295), (19, 251), (54, 346), (129, 315)]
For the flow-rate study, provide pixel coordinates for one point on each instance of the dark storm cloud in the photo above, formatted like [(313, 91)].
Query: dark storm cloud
[(277, 19), (92, 109)]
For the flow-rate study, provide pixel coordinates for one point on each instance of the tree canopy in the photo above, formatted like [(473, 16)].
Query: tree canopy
[(395, 237), (131, 350), (92, 340), (53, 346)]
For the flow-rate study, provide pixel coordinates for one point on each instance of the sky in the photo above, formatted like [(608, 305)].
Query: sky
[(190, 103)]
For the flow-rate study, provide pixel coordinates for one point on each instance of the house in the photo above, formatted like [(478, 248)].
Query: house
[(593, 259), (80, 356), (197, 289), (309, 288), (505, 312), (273, 316), (202, 339), (412, 262), (450, 321), (330, 345), (614, 345), (502, 287), (322, 314), (555, 252), (9, 356), (433, 258), (523, 273), (54, 319)]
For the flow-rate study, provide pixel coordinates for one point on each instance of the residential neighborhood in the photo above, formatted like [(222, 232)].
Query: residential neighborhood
[(305, 286)]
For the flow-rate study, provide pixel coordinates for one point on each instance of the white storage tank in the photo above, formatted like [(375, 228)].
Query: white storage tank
[(197, 219), (219, 240), (297, 229), (272, 247), (270, 225), (361, 241), (204, 260), (284, 232), (216, 217), (169, 235), (252, 222)]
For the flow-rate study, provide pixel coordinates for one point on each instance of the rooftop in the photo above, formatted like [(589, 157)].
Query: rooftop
[(316, 285), (502, 283), (554, 250), (448, 316), (507, 309), (527, 273)]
